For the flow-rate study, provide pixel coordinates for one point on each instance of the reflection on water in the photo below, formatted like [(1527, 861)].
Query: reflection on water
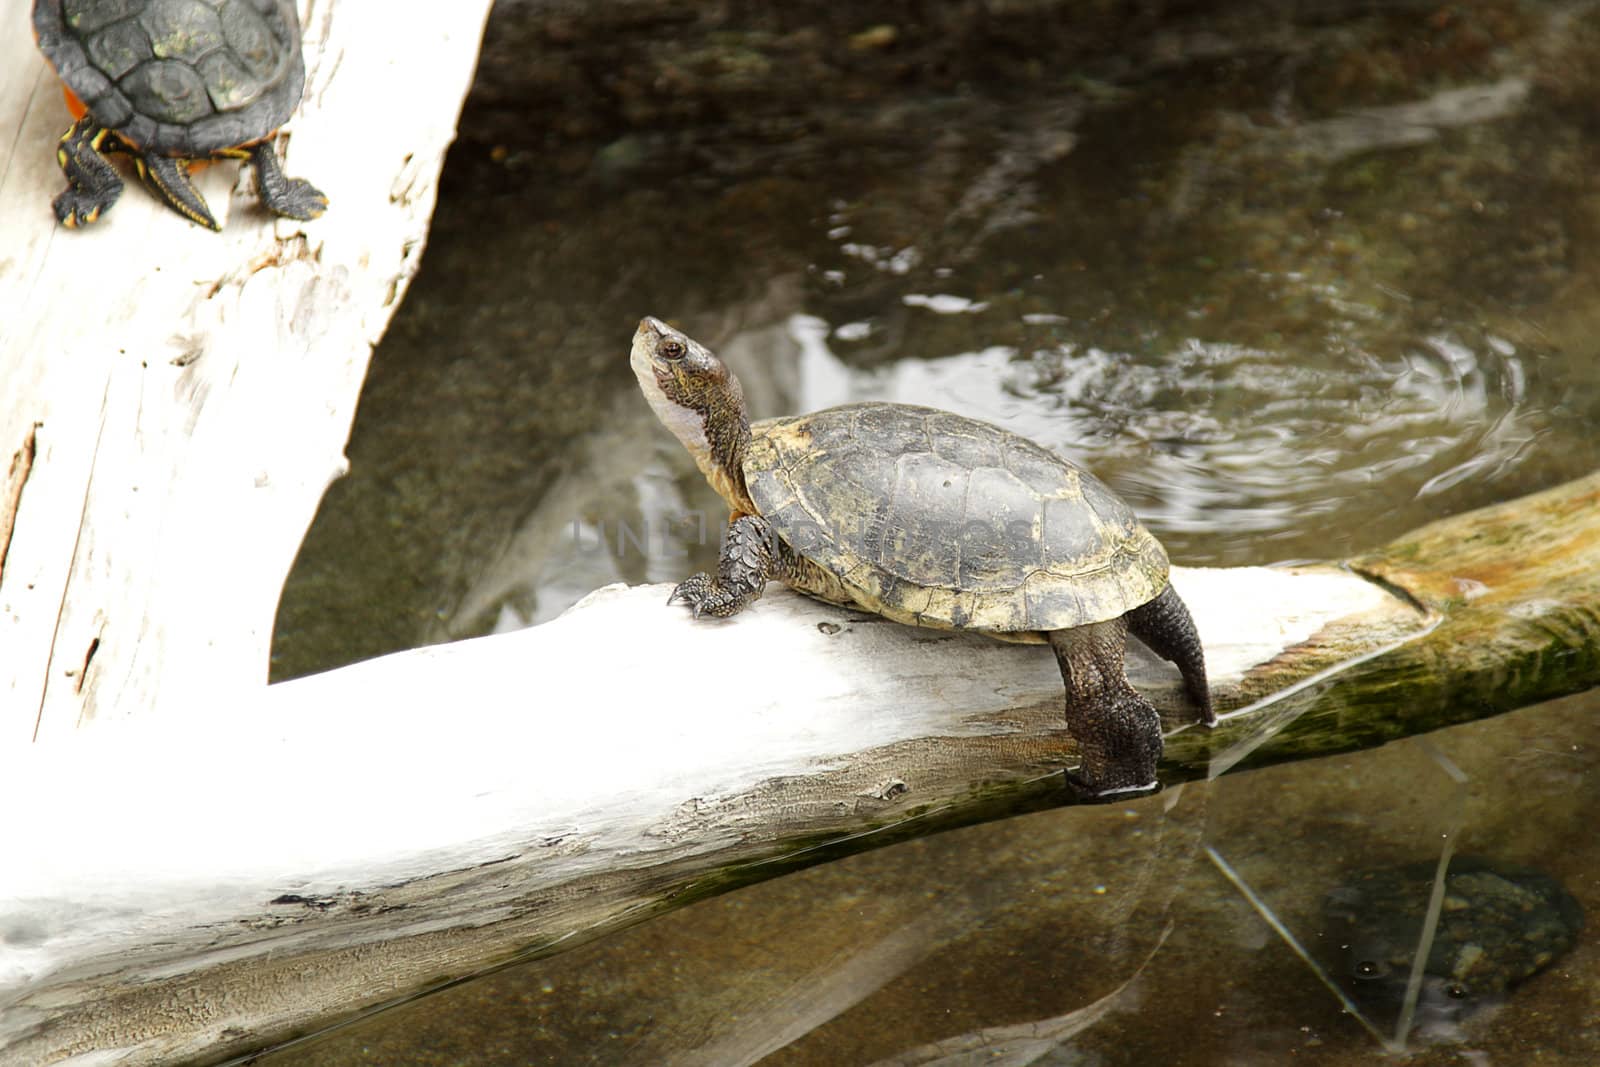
[(1274, 351), (1226, 442), (1292, 285), (1218, 445)]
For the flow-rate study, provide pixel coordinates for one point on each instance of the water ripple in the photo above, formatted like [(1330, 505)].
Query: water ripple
[(1230, 444)]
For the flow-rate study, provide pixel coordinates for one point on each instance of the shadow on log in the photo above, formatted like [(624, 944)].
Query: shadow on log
[(466, 805)]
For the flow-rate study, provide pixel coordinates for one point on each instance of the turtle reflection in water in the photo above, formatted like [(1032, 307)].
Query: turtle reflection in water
[(1499, 924), (933, 519)]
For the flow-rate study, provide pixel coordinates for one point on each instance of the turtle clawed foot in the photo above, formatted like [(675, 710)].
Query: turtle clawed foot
[(76, 207), (292, 198), (300, 200), (693, 591), (707, 596)]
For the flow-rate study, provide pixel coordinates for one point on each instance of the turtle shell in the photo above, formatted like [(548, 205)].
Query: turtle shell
[(939, 520), (184, 78)]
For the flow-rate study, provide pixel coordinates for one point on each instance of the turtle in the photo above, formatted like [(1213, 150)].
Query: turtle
[(933, 519), (168, 82)]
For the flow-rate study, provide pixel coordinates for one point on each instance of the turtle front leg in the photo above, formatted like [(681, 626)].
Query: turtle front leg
[(293, 198), (94, 182), (1117, 730), (169, 179), (751, 554)]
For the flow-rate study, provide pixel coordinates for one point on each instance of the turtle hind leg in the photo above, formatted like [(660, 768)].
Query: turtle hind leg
[(1165, 626), (293, 198), (94, 184), (1118, 732), (169, 179)]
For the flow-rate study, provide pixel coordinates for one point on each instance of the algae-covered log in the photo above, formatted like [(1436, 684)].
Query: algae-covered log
[(1510, 596), (437, 812)]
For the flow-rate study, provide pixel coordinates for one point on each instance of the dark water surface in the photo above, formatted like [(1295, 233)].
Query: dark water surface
[(1293, 284)]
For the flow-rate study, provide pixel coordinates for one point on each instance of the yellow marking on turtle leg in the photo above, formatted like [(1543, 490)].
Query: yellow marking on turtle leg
[(90, 176), (179, 194)]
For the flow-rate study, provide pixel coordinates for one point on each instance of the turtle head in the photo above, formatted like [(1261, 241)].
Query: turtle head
[(696, 397)]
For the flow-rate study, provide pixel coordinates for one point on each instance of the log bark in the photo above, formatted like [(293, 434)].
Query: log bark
[(488, 800), (176, 401)]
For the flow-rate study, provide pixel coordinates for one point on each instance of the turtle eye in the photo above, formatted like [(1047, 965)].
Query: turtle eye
[(673, 350)]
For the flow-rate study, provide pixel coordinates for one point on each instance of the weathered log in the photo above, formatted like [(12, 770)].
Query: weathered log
[(176, 401), (456, 807)]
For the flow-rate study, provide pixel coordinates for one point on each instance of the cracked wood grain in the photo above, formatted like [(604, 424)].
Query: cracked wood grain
[(11, 498)]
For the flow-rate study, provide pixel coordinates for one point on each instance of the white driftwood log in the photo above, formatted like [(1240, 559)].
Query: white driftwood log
[(176, 401), (213, 882), (261, 861)]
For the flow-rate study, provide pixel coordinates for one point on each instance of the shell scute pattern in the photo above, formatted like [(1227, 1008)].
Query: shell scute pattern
[(964, 441), (926, 509), (86, 16), (119, 49), (1075, 542), (941, 520), (876, 423), (185, 78), (1005, 544), (848, 506), (183, 30)]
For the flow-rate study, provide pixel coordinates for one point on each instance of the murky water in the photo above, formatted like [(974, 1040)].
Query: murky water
[(1292, 288)]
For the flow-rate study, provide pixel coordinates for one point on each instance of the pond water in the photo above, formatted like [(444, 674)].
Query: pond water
[(1292, 287)]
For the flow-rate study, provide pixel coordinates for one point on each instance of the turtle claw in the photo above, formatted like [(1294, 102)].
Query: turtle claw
[(715, 597), (693, 591), (301, 201), (1089, 792), (290, 198), (74, 209)]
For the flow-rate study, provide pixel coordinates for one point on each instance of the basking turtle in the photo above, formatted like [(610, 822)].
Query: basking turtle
[(932, 519), (170, 81)]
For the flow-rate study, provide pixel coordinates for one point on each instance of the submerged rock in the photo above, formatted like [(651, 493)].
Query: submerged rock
[(1498, 924)]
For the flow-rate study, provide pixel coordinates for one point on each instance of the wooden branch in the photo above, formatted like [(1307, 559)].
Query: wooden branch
[(514, 794), (176, 401)]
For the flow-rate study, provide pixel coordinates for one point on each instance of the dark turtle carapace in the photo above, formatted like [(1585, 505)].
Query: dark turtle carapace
[(168, 82), (932, 519)]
